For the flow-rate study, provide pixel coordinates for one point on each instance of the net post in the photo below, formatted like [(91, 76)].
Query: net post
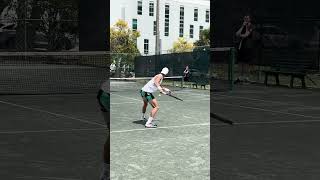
[(231, 68), (182, 83)]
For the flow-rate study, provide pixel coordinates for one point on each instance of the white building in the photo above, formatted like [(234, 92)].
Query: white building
[(177, 18)]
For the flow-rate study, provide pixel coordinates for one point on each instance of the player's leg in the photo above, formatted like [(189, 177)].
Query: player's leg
[(106, 150), (155, 109), (144, 106), (104, 102)]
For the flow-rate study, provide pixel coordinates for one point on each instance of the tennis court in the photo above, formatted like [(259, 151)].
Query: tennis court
[(274, 136), (51, 125), (51, 137), (177, 149)]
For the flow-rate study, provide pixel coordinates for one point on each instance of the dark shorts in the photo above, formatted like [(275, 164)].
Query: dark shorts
[(245, 55), (104, 100), (148, 96)]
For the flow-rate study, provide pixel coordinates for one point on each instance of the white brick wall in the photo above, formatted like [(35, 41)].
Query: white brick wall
[(145, 22)]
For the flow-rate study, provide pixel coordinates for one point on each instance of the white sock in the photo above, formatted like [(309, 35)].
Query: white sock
[(149, 120), (143, 116)]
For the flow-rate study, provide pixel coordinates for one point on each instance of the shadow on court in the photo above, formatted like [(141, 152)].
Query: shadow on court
[(177, 149), (141, 122), (51, 137), (274, 136)]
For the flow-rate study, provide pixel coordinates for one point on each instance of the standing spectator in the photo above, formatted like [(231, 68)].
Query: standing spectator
[(112, 69), (186, 73), (246, 48)]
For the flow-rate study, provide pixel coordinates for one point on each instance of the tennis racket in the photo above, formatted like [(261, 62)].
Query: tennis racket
[(169, 93)]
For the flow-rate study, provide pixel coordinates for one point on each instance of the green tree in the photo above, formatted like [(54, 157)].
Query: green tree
[(59, 18), (181, 45), (123, 44), (123, 39), (204, 39)]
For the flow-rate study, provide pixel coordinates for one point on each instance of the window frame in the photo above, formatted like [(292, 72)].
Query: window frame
[(146, 46), (151, 8), (134, 24), (166, 20), (191, 31), (195, 14), (139, 7)]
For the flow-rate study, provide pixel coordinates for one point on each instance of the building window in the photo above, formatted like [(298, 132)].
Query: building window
[(200, 30), (207, 15), (146, 46), (181, 24), (195, 14), (155, 28), (191, 31), (166, 20), (134, 24), (151, 8), (140, 7)]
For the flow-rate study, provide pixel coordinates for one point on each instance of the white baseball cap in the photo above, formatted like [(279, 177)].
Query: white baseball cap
[(165, 71)]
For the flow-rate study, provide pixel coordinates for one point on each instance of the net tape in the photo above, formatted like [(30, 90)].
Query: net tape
[(52, 72), (174, 83)]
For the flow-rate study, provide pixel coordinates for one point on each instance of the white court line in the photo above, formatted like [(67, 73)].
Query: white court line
[(50, 130), (262, 100), (166, 127), (270, 122), (51, 113), (188, 117), (268, 110)]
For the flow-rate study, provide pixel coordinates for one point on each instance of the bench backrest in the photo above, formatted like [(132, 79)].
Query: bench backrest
[(284, 59)]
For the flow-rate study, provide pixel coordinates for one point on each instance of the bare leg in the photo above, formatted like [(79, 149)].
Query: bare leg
[(145, 104), (155, 109), (106, 150), (153, 113), (107, 143)]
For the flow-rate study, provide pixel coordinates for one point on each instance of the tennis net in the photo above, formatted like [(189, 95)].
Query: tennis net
[(174, 83), (52, 72), (222, 68)]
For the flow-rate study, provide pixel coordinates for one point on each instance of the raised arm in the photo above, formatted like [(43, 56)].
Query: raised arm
[(238, 33)]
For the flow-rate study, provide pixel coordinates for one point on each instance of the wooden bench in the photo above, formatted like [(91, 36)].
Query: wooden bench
[(286, 67), (199, 80)]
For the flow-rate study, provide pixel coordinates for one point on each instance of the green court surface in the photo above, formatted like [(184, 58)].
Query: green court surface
[(51, 137), (177, 149), (274, 136)]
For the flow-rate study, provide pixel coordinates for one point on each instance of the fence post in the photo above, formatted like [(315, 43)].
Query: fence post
[(231, 67)]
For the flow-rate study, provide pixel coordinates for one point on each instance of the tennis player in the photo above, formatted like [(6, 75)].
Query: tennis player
[(146, 93), (104, 102)]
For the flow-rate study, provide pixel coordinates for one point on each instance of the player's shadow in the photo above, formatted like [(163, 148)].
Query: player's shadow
[(139, 122)]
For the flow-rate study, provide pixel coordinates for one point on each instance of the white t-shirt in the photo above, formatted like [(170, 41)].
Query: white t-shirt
[(151, 87)]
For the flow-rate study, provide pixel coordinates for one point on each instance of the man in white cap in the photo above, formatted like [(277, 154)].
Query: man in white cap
[(146, 93)]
